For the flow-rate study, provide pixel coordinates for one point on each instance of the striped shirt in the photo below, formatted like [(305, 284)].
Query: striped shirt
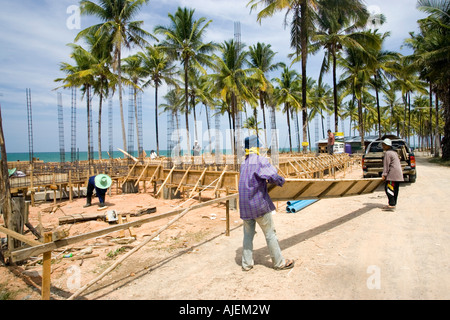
[(254, 200)]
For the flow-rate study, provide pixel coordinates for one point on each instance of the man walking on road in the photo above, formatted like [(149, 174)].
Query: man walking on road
[(392, 174), (256, 206)]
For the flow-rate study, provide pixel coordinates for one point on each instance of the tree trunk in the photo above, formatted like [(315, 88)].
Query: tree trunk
[(304, 45), (378, 107), (261, 101), (361, 124), (289, 126), (88, 107), (156, 119), (209, 128), (436, 132), (4, 186), (335, 95), (186, 103), (445, 97), (100, 123), (124, 136)]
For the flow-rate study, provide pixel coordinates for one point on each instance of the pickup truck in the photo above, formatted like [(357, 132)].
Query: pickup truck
[(372, 160)]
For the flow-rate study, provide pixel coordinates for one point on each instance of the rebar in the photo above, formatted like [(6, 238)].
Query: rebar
[(30, 125), (62, 152)]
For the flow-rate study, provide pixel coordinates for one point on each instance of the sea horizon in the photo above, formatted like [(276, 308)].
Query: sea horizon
[(83, 155)]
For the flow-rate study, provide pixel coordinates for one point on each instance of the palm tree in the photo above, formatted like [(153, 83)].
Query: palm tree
[(252, 125), (158, 68), (350, 110), (321, 100), (116, 22), (382, 67), (105, 79), (174, 99), (204, 93), (338, 23), (184, 41), (407, 79), (231, 80), (355, 78), (393, 104), (286, 93), (301, 30), (431, 51), (260, 58), (133, 68), (81, 74)]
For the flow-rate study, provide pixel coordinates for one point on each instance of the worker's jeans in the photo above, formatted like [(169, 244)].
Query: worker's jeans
[(268, 228)]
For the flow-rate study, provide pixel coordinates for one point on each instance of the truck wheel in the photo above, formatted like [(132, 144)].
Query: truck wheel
[(412, 178)]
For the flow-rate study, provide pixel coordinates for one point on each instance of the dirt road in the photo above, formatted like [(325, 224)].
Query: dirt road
[(344, 248)]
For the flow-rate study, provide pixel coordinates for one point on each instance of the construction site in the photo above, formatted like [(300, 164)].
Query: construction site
[(169, 216), (47, 226)]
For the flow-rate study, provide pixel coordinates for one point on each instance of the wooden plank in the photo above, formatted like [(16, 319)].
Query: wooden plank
[(182, 179), (46, 269), (165, 181), (156, 170), (127, 154), (142, 173), (220, 179), (129, 173), (28, 252), (300, 189), (19, 236), (198, 182), (74, 218)]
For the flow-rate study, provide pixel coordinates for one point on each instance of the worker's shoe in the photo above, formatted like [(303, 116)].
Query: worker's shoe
[(88, 203), (102, 206)]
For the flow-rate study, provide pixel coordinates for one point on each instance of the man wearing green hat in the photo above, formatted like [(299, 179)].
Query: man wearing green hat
[(100, 183)]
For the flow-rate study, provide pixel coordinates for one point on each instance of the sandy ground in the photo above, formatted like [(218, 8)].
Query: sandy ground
[(345, 248)]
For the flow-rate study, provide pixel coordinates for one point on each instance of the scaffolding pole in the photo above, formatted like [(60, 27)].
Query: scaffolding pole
[(62, 152), (73, 126), (130, 122), (30, 125), (110, 127)]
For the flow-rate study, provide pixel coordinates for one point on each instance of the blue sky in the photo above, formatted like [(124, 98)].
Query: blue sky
[(33, 41)]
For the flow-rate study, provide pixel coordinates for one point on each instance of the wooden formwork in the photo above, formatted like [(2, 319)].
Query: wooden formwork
[(184, 177), (301, 189)]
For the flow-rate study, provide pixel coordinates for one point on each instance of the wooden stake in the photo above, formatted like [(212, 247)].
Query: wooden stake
[(46, 269), (165, 181), (198, 181)]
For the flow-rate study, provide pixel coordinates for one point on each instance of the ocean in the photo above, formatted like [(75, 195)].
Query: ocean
[(81, 155)]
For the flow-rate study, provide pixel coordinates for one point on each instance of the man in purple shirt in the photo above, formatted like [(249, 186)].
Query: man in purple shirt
[(255, 205)]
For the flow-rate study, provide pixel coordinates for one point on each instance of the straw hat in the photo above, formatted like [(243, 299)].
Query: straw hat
[(103, 181), (387, 142), (11, 172)]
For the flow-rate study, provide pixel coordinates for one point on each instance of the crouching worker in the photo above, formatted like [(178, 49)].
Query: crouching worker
[(100, 183), (256, 206)]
